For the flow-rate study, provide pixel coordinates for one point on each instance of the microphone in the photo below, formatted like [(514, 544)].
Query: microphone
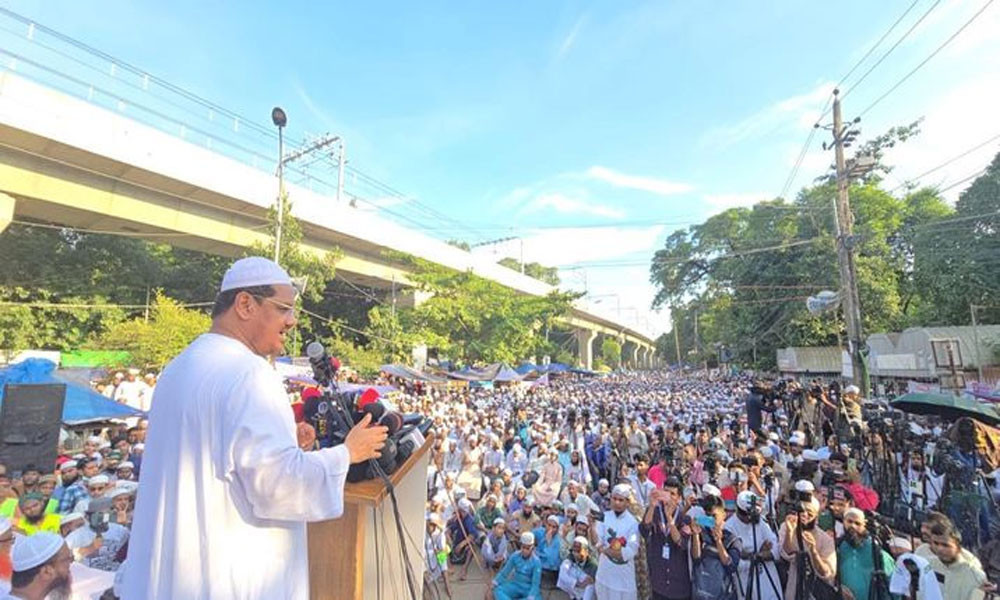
[(324, 369), (392, 420)]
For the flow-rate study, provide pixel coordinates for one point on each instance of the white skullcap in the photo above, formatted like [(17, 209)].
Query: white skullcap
[(710, 490), (33, 550), (746, 499), (804, 485), (465, 504), (98, 480), (119, 491), (66, 466), (499, 521), (857, 512), (623, 490), (527, 539), (603, 481), (852, 389), (133, 371), (553, 519), (69, 518), (253, 271), (582, 541), (573, 506), (902, 543), (798, 438), (4, 525), (126, 465), (530, 500), (766, 452), (810, 454), (582, 519), (773, 436)]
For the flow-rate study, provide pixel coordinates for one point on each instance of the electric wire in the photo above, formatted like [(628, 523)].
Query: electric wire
[(951, 160), (920, 65)]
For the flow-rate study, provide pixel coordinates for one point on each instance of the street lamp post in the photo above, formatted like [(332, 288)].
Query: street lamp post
[(280, 119)]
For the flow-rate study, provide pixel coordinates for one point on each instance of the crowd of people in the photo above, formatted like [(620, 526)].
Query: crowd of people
[(670, 486), (634, 485)]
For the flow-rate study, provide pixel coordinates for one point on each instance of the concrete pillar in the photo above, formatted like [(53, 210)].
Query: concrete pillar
[(585, 346), (643, 357), (633, 356), (6, 211)]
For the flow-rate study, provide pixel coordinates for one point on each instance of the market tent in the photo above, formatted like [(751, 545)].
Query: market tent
[(404, 372), (82, 404), (506, 374)]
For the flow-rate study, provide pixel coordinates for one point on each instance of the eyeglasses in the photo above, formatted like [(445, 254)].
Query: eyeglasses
[(285, 309)]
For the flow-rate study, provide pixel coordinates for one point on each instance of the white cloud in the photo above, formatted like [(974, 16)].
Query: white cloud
[(789, 113), (570, 39), (563, 203), (662, 187), (721, 202)]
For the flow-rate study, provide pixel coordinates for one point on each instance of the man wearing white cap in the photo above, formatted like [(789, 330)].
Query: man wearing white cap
[(521, 576), (225, 477), (131, 390), (617, 541), (748, 527), (577, 572), (41, 566)]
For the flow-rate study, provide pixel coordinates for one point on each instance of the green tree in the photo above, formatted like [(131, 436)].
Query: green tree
[(468, 318), (153, 343), (611, 353), (549, 275)]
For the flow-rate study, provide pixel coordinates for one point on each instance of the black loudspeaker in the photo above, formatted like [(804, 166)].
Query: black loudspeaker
[(30, 419)]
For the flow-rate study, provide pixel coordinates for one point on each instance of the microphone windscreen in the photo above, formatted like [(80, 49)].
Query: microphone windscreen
[(311, 407), (370, 395), (335, 363), (393, 421), (376, 409), (315, 350)]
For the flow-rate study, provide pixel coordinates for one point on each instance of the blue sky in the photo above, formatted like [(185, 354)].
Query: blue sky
[(630, 118)]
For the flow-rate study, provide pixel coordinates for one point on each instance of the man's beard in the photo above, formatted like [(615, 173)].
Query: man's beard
[(35, 519), (61, 589), (68, 481), (575, 462), (856, 540)]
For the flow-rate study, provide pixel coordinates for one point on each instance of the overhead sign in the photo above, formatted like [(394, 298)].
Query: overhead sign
[(30, 419)]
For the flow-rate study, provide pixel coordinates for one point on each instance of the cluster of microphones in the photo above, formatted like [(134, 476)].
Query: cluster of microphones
[(333, 413)]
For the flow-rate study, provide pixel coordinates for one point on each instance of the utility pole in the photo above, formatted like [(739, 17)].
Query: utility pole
[(313, 147), (844, 222), (975, 340), (677, 346)]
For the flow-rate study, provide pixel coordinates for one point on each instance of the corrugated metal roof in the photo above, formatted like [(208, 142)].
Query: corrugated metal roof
[(915, 346)]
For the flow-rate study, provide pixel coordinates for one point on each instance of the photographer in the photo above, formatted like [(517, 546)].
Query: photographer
[(806, 547), (758, 576), (98, 541), (666, 543), (715, 553)]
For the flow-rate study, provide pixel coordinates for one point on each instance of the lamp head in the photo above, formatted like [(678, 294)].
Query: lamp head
[(278, 116)]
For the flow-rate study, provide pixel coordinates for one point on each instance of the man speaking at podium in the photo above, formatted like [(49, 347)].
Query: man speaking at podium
[(225, 491)]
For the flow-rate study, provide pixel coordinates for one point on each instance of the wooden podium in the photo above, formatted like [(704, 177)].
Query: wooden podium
[(359, 555)]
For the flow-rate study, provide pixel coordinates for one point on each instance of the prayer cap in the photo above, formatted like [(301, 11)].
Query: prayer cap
[(852, 389), (623, 490), (857, 512), (582, 519), (805, 486), (582, 541), (126, 465), (33, 550), (69, 518), (527, 539), (710, 490), (902, 543), (553, 519), (253, 271), (118, 491), (98, 480), (499, 521), (745, 500), (573, 507)]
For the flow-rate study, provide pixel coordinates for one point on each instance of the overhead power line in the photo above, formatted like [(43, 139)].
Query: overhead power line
[(894, 46), (920, 65), (946, 163)]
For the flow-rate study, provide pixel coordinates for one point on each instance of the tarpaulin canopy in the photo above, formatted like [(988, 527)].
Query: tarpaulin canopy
[(528, 367), (506, 374), (82, 404), (498, 372), (948, 406), (404, 372)]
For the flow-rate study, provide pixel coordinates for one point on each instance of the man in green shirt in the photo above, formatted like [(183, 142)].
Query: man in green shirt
[(855, 561)]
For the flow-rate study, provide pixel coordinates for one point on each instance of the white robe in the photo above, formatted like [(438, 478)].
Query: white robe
[(225, 491), (770, 587), (617, 578)]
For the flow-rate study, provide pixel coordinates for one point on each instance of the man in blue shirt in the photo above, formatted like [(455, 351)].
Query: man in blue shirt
[(521, 576), (72, 489), (549, 545)]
